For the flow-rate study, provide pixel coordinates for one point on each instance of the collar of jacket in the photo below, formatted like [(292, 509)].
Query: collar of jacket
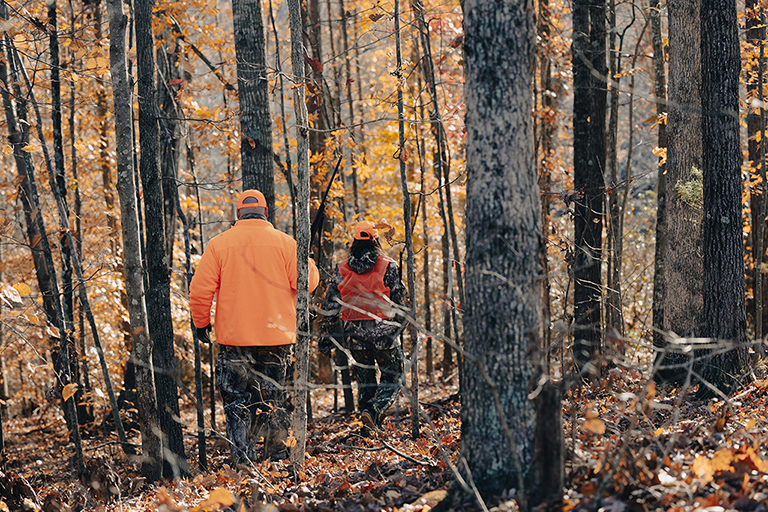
[(254, 222)]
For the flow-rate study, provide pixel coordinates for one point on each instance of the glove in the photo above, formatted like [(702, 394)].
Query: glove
[(325, 345), (203, 334)]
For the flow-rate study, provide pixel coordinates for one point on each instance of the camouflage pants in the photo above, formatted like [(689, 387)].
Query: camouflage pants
[(377, 396), (252, 382)]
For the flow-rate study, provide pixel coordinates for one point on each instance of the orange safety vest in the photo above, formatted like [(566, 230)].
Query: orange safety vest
[(365, 296)]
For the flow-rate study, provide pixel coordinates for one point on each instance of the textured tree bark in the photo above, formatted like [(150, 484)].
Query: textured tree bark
[(683, 269), (502, 319), (589, 103), (141, 347), (547, 133), (158, 298), (299, 417), (253, 93), (169, 69), (724, 303)]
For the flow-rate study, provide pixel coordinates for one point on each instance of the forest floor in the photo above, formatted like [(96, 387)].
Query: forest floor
[(635, 447)]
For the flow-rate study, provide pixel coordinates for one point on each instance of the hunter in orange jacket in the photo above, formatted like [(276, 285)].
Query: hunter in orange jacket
[(251, 268)]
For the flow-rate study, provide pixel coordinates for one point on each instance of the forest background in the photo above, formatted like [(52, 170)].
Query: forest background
[(358, 64)]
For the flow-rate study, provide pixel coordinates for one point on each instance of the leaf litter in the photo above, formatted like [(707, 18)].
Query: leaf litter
[(629, 446)]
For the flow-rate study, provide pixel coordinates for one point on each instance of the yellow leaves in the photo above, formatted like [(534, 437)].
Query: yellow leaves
[(728, 462), (9, 293), (7, 150), (22, 288), (662, 154), (705, 468), (68, 391), (593, 423), (216, 499), (29, 148)]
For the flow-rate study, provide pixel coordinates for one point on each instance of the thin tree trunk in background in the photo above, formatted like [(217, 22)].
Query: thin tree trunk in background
[(158, 298), (288, 169), (169, 71), (755, 37), (427, 291), (85, 413), (408, 224), (613, 316), (682, 300), (299, 417), (440, 162), (18, 136), (141, 347), (350, 105), (760, 245), (547, 131), (253, 93), (724, 303), (63, 376), (588, 164), (660, 93)]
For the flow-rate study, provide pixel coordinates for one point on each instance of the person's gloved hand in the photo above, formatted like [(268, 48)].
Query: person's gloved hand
[(204, 334), (325, 345)]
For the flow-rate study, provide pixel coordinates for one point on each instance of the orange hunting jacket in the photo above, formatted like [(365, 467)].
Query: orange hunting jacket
[(251, 268)]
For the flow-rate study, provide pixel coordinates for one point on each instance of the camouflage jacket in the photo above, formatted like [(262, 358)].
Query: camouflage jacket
[(364, 334)]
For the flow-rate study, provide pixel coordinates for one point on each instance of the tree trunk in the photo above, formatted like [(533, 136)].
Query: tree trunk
[(408, 226), (169, 69), (682, 299), (299, 418), (660, 93), (158, 297), (253, 93), (546, 159), (430, 364), (724, 305), (503, 211), (588, 163), (141, 346)]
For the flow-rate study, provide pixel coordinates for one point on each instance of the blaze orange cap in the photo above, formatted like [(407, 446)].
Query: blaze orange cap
[(251, 201), (365, 230)]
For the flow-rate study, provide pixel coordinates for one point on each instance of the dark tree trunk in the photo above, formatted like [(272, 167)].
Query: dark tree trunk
[(547, 130), (141, 350), (158, 296), (660, 93), (170, 136), (589, 104), (724, 304), (502, 311), (253, 92), (682, 299)]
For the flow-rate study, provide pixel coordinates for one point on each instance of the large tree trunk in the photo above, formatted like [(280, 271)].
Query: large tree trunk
[(141, 352), (503, 211), (589, 103), (683, 261), (724, 303), (253, 92), (158, 296)]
